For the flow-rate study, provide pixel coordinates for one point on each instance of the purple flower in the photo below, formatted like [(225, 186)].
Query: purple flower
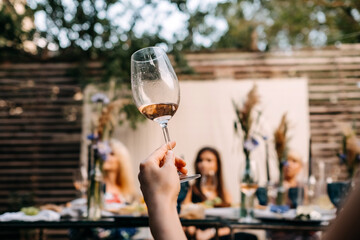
[(100, 97), (251, 144), (342, 157), (92, 137), (103, 149)]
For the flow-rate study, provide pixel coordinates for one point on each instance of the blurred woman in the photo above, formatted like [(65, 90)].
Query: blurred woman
[(119, 187), (210, 187), (211, 183), (118, 176)]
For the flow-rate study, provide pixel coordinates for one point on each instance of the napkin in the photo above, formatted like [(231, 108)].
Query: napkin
[(279, 208), (43, 215)]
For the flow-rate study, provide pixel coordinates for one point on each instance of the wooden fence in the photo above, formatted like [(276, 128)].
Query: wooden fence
[(40, 129)]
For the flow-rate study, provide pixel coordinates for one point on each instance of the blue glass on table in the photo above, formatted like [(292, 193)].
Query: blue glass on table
[(296, 196), (261, 194), (337, 192)]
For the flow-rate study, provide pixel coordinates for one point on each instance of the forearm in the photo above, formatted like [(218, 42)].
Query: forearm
[(165, 223)]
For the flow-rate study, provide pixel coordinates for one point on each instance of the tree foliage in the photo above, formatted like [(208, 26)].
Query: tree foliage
[(110, 29), (15, 25), (285, 24)]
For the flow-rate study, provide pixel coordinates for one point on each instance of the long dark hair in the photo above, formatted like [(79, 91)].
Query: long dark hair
[(220, 186)]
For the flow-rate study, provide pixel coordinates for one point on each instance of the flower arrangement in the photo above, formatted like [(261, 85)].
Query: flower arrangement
[(281, 140), (245, 120), (350, 155), (244, 126)]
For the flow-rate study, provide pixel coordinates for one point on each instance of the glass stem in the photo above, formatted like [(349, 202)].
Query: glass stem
[(167, 138), (166, 134)]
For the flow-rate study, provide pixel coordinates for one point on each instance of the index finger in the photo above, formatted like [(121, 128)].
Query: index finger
[(157, 157)]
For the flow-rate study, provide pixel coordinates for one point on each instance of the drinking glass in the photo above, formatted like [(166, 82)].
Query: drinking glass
[(337, 192), (262, 195), (296, 196), (155, 89), (209, 184)]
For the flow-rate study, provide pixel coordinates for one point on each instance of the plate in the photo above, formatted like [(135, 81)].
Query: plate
[(289, 216), (226, 212), (294, 220)]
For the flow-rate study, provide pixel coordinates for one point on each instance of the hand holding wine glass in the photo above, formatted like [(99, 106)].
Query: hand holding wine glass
[(155, 89)]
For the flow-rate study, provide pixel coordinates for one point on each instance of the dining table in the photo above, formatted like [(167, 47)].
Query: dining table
[(119, 221)]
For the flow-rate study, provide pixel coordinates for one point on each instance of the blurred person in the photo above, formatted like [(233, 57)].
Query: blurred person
[(118, 175), (292, 169), (119, 187), (210, 187), (211, 183), (119, 190)]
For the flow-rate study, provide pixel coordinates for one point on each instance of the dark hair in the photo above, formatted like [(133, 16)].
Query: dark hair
[(220, 187)]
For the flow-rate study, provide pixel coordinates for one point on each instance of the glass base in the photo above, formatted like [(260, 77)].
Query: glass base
[(248, 219), (186, 178)]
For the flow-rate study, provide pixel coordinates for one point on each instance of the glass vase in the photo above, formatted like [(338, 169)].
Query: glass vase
[(281, 191), (95, 191), (248, 186)]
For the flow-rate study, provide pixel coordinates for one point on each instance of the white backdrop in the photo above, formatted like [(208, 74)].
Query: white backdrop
[(205, 118)]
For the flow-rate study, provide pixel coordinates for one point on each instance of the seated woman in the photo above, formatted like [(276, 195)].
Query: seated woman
[(292, 170), (118, 179), (119, 185), (119, 189), (210, 187), (211, 183)]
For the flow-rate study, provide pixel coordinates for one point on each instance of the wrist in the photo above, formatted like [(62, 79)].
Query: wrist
[(161, 206), (164, 222), (160, 203)]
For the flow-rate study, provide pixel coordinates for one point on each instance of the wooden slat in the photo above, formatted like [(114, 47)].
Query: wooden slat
[(36, 66)]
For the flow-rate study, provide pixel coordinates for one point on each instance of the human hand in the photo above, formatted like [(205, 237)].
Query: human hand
[(159, 180)]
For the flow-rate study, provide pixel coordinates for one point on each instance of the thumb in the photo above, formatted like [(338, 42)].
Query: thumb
[(169, 158)]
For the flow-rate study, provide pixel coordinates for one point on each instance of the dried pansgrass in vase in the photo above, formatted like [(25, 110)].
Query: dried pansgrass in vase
[(281, 146), (351, 150), (244, 113)]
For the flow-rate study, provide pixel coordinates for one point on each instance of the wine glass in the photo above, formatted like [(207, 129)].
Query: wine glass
[(296, 196), (248, 186), (155, 89), (80, 182), (208, 184), (337, 192)]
